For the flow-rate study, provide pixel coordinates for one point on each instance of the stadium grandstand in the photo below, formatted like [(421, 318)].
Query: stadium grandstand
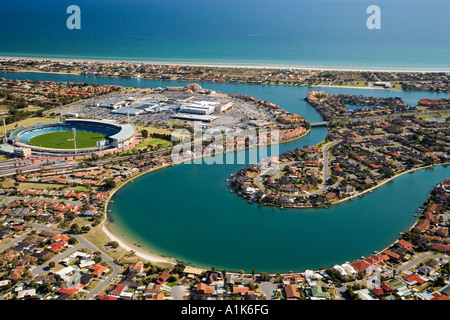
[(101, 135)]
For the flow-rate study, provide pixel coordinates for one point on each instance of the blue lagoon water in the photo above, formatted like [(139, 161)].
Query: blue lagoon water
[(188, 212)]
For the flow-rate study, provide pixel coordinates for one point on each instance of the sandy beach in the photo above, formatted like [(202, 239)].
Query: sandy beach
[(139, 252), (232, 65)]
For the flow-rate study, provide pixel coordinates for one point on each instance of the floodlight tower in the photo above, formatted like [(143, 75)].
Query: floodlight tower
[(60, 112), (74, 132), (4, 126)]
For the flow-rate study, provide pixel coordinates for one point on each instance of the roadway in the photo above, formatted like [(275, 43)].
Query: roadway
[(7, 199), (390, 273), (82, 243), (61, 164), (325, 174), (390, 116)]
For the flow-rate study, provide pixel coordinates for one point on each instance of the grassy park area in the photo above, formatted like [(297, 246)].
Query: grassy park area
[(64, 140)]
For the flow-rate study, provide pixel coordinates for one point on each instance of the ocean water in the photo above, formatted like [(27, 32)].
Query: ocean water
[(414, 34)]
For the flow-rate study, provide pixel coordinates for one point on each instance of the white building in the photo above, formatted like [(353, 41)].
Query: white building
[(365, 294), (75, 255), (350, 270), (26, 293), (86, 263), (64, 273), (382, 84), (340, 270), (128, 111), (202, 107)]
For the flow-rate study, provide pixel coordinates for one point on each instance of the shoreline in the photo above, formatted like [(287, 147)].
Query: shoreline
[(347, 198), (125, 242), (353, 87), (390, 179), (139, 251), (146, 253), (244, 65)]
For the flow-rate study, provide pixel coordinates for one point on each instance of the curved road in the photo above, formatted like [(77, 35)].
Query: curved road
[(82, 243), (326, 173)]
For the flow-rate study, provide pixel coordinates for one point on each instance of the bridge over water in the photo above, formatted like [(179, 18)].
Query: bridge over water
[(319, 124)]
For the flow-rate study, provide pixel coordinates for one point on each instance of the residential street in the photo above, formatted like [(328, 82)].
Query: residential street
[(12, 198), (83, 243), (326, 173), (407, 265)]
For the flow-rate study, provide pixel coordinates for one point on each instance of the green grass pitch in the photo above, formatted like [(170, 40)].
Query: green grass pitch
[(64, 140)]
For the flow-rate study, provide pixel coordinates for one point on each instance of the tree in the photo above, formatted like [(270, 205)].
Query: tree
[(109, 184), (75, 228), (94, 157), (144, 133), (45, 287), (264, 276), (113, 244), (440, 282), (179, 268), (52, 264)]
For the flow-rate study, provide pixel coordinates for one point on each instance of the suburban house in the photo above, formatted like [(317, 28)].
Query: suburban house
[(291, 291), (137, 267)]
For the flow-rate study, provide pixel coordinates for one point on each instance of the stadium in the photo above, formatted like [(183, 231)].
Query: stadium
[(58, 138)]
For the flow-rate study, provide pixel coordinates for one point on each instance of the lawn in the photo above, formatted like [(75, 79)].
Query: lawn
[(9, 183), (442, 115), (64, 140), (396, 86), (154, 143), (151, 129), (99, 239), (30, 121)]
